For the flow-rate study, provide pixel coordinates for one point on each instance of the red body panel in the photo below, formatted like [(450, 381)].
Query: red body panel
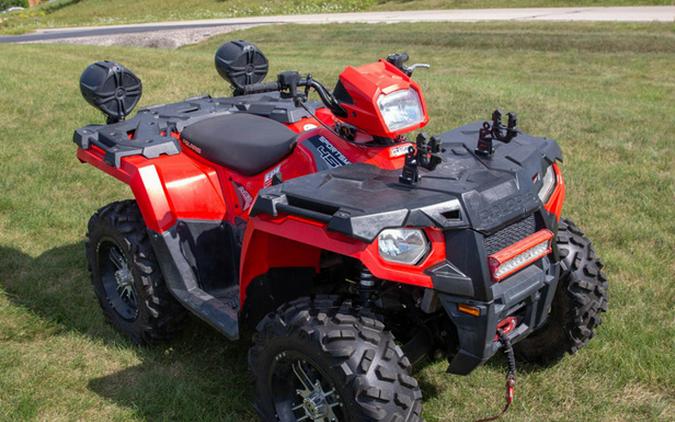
[(302, 241), (187, 186), (365, 84), (167, 188), (555, 202)]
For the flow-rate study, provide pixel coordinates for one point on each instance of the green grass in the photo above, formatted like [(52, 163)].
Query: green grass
[(104, 12), (605, 92)]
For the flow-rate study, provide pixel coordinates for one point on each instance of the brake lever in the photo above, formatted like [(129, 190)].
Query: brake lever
[(410, 69)]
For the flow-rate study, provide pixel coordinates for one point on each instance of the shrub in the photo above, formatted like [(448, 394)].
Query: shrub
[(6, 4)]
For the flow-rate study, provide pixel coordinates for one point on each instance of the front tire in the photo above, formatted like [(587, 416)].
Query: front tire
[(126, 276), (319, 359), (580, 298)]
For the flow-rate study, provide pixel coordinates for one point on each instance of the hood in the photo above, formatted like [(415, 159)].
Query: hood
[(465, 191)]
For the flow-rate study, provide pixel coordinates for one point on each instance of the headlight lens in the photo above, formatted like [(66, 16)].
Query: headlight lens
[(404, 246), (401, 109), (548, 184)]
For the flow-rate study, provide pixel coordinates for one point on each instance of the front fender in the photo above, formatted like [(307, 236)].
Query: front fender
[(293, 241)]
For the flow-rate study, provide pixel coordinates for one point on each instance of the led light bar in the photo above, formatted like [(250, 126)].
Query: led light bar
[(519, 255)]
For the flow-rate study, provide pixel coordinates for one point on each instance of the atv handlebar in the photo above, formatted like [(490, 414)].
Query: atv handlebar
[(259, 88), (291, 81)]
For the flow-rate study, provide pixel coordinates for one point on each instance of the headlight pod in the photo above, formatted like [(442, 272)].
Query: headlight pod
[(400, 109), (402, 246), (547, 185)]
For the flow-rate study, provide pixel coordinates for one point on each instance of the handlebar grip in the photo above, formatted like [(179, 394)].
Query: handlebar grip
[(260, 88)]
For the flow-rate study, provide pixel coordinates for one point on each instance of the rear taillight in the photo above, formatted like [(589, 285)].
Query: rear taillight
[(520, 254)]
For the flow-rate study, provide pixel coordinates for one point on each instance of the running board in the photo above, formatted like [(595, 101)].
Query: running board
[(221, 314)]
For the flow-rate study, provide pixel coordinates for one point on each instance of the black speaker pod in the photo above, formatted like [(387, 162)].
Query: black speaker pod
[(241, 63), (112, 88)]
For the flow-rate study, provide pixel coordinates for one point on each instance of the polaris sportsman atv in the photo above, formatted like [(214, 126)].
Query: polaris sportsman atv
[(354, 250)]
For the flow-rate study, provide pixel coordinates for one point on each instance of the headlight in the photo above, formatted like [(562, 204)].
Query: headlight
[(548, 184), (404, 246), (401, 109)]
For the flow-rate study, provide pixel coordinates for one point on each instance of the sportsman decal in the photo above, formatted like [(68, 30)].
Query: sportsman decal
[(325, 153)]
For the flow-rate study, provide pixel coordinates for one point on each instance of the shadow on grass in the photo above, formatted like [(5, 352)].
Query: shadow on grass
[(198, 376)]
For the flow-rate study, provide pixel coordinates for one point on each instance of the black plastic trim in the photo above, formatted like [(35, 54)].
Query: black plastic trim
[(448, 279), (341, 94), (220, 312), (528, 294)]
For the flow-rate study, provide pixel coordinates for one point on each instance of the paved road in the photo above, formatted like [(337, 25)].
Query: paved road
[(614, 14)]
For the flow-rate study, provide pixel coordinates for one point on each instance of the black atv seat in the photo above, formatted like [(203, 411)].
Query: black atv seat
[(243, 142)]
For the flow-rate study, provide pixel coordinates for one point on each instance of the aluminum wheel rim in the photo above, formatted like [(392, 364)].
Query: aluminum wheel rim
[(301, 392), (117, 280)]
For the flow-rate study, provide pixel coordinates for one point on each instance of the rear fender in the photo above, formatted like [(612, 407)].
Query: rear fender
[(167, 188), (292, 241)]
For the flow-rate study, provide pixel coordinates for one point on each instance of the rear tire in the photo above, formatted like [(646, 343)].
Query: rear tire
[(580, 298), (126, 277), (345, 351)]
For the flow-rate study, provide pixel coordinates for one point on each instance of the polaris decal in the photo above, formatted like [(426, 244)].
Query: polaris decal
[(192, 146), (325, 153)]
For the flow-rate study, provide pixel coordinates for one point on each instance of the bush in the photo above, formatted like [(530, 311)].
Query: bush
[(6, 4)]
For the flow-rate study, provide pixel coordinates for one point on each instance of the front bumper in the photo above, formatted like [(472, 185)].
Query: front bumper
[(464, 279), (526, 295)]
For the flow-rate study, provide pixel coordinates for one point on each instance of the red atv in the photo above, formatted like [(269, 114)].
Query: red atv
[(354, 251)]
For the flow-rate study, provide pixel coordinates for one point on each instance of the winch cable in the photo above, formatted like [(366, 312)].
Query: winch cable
[(510, 375)]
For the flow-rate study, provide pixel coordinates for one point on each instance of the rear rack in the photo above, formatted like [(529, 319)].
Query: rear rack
[(149, 140), (149, 133)]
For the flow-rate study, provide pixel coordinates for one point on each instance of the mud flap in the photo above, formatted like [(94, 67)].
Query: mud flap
[(220, 312)]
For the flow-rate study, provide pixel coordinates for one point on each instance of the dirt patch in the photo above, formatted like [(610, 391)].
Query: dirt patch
[(156, 39)]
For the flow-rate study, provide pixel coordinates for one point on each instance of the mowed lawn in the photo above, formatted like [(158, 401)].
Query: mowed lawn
[(605, 92), (58, 13)]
